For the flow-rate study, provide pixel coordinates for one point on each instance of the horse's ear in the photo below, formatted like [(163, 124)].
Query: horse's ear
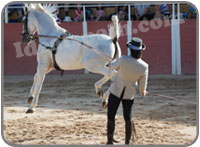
[(31, 6), (27, 7), (38, 6)]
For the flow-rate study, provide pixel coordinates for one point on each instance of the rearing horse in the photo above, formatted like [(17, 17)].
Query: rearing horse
[(70, 55)]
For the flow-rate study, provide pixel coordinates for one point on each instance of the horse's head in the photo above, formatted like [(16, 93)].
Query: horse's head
[(36, 18), (29, 27)]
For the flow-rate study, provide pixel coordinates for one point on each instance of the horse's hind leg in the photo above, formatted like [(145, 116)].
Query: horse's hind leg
[(105, 99), (108, 74)]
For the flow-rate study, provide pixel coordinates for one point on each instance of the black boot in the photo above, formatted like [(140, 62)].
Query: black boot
[(128, 127), (110, 131)]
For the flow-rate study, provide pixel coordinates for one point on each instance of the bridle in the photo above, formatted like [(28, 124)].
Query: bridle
[(25, 33)]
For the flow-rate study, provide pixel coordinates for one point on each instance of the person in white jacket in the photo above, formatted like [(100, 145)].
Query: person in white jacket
[(132, 72)]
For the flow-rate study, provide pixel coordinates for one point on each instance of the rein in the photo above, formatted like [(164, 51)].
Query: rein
[(172, 98), (36, 38)]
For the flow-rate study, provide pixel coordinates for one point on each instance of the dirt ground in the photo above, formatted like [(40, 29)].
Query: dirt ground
[(69, 112)]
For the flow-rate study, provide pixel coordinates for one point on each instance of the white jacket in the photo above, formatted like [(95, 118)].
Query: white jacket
[(130, 71)]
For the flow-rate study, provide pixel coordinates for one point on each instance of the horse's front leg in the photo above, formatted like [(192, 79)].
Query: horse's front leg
[(42, 70), (31, 96)]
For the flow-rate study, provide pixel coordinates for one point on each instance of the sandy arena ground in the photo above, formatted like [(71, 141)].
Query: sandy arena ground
[(69, 112)]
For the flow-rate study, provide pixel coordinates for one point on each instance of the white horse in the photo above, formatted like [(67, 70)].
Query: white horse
[(70, 55)]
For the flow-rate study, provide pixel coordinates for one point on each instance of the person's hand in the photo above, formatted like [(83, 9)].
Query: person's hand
[(146, 93)]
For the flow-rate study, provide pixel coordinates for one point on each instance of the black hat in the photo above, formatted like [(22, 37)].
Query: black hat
[(136, 44)]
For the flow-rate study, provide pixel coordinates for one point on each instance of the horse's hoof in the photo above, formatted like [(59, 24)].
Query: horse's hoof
[(104, 105), (100, 93), (29, 111), (30, 99)]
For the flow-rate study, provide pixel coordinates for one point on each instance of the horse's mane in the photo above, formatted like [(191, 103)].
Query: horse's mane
[(49, 9)]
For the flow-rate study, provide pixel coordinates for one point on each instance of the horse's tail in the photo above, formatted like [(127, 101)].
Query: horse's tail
[(114, 32)]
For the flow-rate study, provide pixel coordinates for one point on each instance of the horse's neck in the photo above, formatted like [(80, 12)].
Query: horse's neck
[(46, 26)]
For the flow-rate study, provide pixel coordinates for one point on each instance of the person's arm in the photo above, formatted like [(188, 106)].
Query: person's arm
[(157, 13), (77, 12), (157, 7), (136, 13), (104, 13), (146, 11), (98, 16), (143, 83), (168, 10), (115, 65), (120, 15)]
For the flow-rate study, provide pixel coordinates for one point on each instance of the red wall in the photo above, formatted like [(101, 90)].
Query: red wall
[(188, 32), (158, 47), (13, 64), (157, 54)]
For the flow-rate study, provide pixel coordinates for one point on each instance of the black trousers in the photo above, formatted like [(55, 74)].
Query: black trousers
[(113, 104)]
